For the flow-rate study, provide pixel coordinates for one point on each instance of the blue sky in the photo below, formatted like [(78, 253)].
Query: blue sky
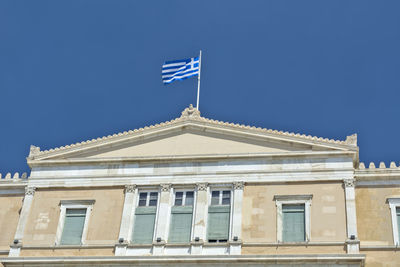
[(77, 70)]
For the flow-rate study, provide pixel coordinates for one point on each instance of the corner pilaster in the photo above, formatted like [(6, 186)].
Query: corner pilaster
[(352, 242), (15, 248), (236, 236)]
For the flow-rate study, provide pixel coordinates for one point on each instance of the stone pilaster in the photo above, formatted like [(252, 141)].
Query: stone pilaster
[(353, 243), (200, 218), (15, 248), (236, 236), (128, 215), (162, 223)]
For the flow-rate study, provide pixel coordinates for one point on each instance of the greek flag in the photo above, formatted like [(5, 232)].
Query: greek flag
[(180, 69)]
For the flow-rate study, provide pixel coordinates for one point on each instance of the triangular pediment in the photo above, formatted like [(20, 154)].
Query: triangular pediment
[(191, 135), (192, 142)]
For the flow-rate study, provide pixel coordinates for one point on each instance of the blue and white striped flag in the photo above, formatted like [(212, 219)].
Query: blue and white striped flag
[(180, 69)]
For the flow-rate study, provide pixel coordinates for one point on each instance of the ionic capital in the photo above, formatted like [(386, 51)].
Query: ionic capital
[(350, 182), (238, 185), (30, 190), (202, 186), (130, 188), (165, 187)]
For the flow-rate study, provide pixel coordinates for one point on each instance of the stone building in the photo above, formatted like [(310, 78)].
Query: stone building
[(195, 191)]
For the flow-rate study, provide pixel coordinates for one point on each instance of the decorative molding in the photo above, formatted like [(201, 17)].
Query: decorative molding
[(238, 185), (202, 186), (34, 150), (14, 177), (30, 190), (351, 140), (293, 199), (130, 188), (165, 187), (394, 203), (204, 260), (78, 202), (349, 182), (74, 204), (190, 112)]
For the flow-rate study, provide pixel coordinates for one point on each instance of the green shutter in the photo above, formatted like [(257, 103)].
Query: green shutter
[(181, 224), (73, 226), (218, 222), (144, 225), (293, 223)]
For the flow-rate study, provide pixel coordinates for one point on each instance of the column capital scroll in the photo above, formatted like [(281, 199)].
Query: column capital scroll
[(130, 188), (349, 182), (238, 185), (202, 186), (165, 187), (30, 190)]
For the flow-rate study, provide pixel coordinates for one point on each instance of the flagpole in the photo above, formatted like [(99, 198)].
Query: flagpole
[(198, 83)]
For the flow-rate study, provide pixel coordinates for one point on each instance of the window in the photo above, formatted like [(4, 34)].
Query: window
[(293, 223), (145, 216), (73, 222), (181, 217), (219, 216), (394, 204), (293, 218)]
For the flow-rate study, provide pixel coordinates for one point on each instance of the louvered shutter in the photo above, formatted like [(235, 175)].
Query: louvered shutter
[(143, 229), (293, 223), (73, 226), (181, 224), (218, 222)]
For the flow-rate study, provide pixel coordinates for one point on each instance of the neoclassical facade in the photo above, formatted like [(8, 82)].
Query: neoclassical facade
[(196, 191)]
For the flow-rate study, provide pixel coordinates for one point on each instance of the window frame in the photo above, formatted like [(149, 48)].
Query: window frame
[(221, 188), (132, 226), (148, 191), (73, 204), (293, 199), (394, 203), (194, 207), (184, 191)]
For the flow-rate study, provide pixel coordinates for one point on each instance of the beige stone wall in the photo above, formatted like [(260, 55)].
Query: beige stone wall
[(282, 250), (381, 258), (328, 217), (104, 221), (10, 206), (67, 252), (374, 221)]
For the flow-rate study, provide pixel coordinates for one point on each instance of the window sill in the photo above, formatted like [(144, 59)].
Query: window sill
[(83, 246), (293, 244)]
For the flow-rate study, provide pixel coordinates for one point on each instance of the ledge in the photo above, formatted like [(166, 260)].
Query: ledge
[(70, 246), (290, 244), (394, 248), (320, 258), (163, 159)]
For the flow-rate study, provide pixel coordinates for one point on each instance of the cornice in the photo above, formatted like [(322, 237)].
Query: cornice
[(191, 116), (181, 158)]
